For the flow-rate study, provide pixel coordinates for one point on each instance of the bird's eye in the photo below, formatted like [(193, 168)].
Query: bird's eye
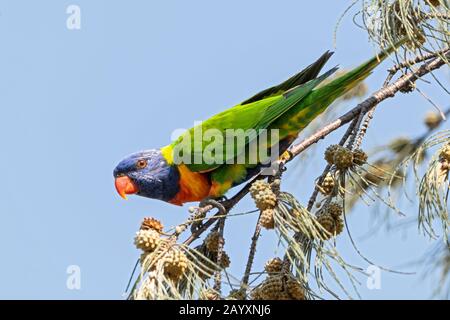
[(140, 164)]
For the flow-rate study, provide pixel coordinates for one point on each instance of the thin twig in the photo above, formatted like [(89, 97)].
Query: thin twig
[(416, 60), (218, 275), (251, 255), (357, 121), (364, 127)]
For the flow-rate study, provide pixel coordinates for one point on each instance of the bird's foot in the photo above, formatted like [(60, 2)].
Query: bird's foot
[(199, 213)]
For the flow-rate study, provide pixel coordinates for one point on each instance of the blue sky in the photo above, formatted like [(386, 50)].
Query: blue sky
[(74, 102)]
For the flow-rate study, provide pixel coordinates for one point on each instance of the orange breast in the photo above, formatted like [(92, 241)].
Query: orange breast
[(194, 186)]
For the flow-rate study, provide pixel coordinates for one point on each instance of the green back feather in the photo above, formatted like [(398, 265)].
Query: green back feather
[(255, 116)]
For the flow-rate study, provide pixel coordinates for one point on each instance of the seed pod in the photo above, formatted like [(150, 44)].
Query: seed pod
[(175, 264), (238, 294), (263, 195), (328, 223), (209, 294), (213, 240), (339, 225), (432, 120), (433, 3), (255, 294), (273, 265), (330, 152), (343, 158), (272, 287), (147, 240), (152, 223), (359, 157), (257, 186), (266, 219), (445, 152), (295, 289), (265, 200), (445, 166), (333, 209), (327, 185), (225, 260)]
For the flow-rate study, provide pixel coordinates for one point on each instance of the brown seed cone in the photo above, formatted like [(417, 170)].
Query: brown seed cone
[(359, 157), (434, 3), (210, 294), (272, 287), (147, 240), (295, 289), (175, 264), (274, 265), (328, 223), (330, 153), (238, 294), (333, 209), (343, 158), (445, 166), (445, 152), (339, 225), (213, 240), (255, 294), (152, 223), (432, 120), (266, 219), (225, 260), (284, 295)]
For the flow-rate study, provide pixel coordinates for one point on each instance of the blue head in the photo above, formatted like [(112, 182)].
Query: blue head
[(147, 174)]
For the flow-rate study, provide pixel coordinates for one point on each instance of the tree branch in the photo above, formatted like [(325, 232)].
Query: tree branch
[(361, 109)]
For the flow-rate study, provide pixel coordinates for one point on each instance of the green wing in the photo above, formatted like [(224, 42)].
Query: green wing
[(248, 118), (309, 73)]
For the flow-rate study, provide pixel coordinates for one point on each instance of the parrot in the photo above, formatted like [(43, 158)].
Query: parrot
[(288, 107)]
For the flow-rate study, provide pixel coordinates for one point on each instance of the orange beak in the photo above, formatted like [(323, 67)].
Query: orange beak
[(124, 186)]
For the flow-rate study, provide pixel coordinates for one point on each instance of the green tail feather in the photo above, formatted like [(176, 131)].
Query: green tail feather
[(351, 79), (320, 98), (309, 73)]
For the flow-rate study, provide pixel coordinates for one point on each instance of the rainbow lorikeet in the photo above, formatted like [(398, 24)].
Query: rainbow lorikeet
[(288, 107)]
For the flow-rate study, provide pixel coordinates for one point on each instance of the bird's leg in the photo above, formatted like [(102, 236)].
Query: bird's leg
[(200, 213)]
